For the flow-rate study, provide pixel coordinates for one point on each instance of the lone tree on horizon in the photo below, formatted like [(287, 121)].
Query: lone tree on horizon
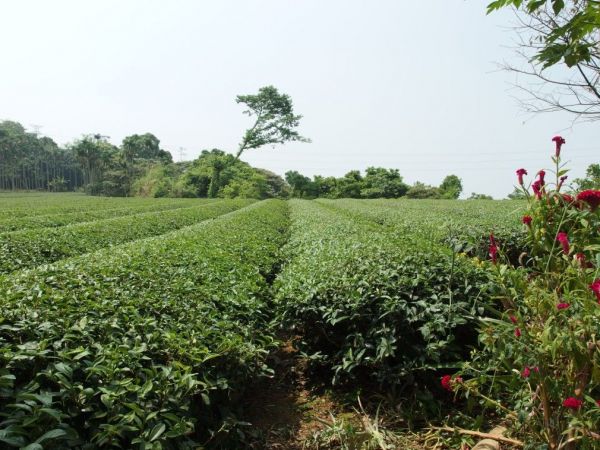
[(275, 121)]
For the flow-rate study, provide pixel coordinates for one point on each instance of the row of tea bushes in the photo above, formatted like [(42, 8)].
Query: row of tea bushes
[(91, 214), (372, 304), (143, 345), (464, 226), (30, 248), (47, 204)]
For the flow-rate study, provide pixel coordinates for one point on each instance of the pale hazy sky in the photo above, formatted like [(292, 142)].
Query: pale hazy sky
[(406, 84)]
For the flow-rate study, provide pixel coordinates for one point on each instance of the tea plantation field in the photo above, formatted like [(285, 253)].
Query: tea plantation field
[(142, 323)]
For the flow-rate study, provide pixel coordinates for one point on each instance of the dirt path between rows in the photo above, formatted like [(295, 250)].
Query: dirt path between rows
[(284, 410)]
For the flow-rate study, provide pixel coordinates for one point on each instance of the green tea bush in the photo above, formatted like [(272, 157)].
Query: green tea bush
[(89, 215), (144, 345), (371, 303), (30, 248), (462, 225)]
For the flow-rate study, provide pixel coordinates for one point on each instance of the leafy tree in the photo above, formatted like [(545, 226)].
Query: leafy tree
[(383, 183), (276, 186), (144, 146), (274, 120), (324, 186), (451, 187), (350, 185), (219, 174), (94, 153), (558, 33), (28, 161), (591, 180), (572, 40), (301, 185), (475, 196), (421, 191)]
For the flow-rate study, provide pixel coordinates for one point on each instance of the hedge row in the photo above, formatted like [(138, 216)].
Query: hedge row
[(373, 304), (143, 345), (464, 226), (91, 214), (30, 248), (30, 205)]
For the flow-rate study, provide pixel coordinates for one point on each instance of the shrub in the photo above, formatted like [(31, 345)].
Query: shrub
[(541, 355)]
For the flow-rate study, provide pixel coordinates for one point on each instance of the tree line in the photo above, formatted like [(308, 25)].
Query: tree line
[(377, 182)]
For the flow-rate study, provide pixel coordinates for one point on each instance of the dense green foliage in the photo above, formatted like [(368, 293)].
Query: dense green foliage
[(274, 120), (31, 162), (465, 227), (377, 182), (213, 174), (140, 345), (29, 248), (372, 301), (66, 218), (572, 40)]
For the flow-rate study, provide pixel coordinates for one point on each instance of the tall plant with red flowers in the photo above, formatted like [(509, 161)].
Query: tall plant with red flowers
[(541, 355)]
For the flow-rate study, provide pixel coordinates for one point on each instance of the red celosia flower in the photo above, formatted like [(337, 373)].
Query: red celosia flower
[(595, 287), (541, 175), (583, 262), (572, 403), (520, 174), (536, 369), (560, 183), (568, 198), (537, 188), (563, 238), (598, 403), (526, 372), (527, 220), (563, 305), (591, 197), (559, 141), (446, 382), (513, 319), (517, 332)]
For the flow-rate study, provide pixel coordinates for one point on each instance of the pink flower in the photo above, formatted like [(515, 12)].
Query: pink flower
[(493, 249), (559, 141), (527, 220), (446, 382), (563, 238), (520, 174), (562, 306), (513, 319), (598, 403), (572, 403), (517, 332), (591, 197), (595, 287), (526, 372), (536, 369), (541, 175), (537, 188)]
